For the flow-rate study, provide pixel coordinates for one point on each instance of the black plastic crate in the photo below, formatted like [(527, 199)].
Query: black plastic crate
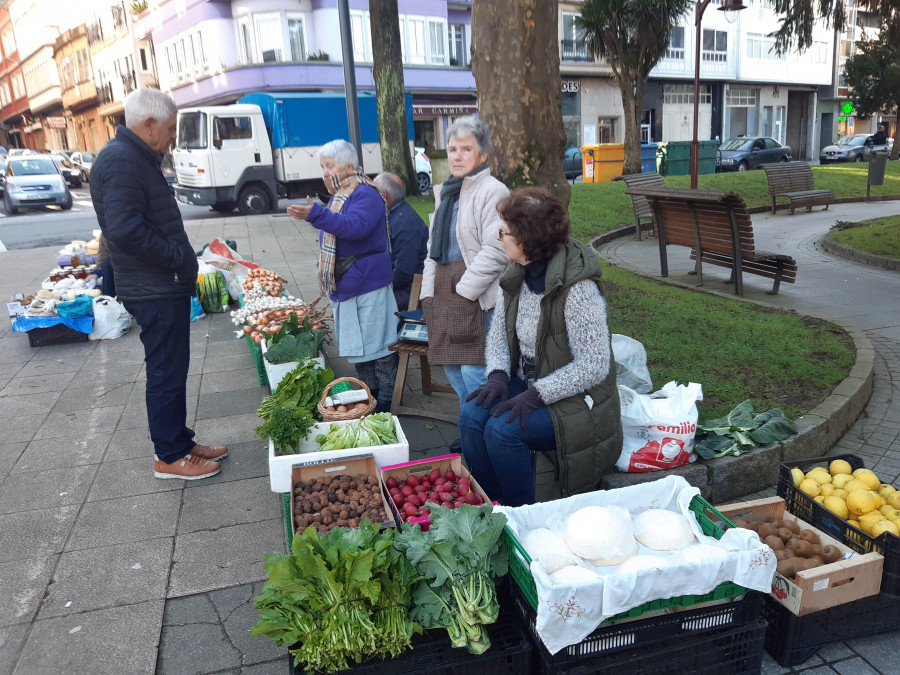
[(791, 640), (60, 334), (431, 653), (729, 651), (640, 633), (806, 508)]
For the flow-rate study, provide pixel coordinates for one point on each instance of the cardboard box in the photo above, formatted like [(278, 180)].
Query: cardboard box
[(275, 372), (359, 464), (421, 468), (280, 467), (820, 587)]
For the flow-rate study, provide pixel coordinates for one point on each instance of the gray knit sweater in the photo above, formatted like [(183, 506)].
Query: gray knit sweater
[(586, 326)]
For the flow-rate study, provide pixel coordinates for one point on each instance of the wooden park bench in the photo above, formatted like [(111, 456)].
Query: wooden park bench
[(642, 212), (794, 180), (716, 226)]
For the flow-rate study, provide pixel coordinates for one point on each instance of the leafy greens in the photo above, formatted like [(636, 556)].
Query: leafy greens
[(741, 431), (371, 430), (300, 388), (296, 341)]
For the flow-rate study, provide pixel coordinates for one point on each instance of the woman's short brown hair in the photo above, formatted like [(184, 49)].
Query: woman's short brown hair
[(539, 221)]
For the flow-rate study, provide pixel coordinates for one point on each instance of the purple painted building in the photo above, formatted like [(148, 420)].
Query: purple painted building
[(215, 51)]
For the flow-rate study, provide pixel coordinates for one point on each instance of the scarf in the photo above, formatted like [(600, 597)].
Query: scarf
[(536, 275), (341, 185), (440, 239)]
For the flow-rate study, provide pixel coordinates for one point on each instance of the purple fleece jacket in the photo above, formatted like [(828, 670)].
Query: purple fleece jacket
[(359, 228)]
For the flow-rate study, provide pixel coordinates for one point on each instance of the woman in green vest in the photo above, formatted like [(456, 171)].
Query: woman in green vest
[(551, 385)]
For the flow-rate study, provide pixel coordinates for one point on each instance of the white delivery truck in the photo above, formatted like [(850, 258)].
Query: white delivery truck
[(251, 153)]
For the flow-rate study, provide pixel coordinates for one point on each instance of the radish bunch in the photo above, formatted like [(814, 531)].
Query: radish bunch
[(411, 496)]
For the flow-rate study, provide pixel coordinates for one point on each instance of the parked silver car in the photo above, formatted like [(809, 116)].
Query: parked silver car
[(852, 148), (84, 161), (34, 180)]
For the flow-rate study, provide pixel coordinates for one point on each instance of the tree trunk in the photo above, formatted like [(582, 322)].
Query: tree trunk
[(387, 71), (631, 106), (515, 61)]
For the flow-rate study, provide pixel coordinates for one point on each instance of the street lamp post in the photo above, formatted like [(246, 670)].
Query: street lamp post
[(727, 6)]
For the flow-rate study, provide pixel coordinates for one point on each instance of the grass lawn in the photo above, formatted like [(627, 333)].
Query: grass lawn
[(880, 236), (736, 350)]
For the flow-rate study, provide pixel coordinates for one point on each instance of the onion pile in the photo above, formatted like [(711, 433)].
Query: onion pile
[(261, 282), (263, 316)]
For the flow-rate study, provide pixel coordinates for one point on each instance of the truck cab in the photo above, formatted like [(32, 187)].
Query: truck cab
[(223, 159)]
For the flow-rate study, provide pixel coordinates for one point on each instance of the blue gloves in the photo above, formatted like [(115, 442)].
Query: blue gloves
[(522, 405), (495, 387)]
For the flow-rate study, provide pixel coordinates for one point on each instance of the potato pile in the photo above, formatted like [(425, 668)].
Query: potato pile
[(337, 501), (796, 549)]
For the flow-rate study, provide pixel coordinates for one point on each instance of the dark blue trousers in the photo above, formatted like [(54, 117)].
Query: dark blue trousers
[(165, 333)]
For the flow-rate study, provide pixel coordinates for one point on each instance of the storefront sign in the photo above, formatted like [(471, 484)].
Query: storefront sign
[(55, 122), (449, 110), (570, 86)]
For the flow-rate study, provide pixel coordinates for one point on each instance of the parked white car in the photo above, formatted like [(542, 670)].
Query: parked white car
[(423, 170)]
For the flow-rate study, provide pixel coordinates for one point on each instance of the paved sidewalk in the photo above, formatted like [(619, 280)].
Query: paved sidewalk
[(105, 569)]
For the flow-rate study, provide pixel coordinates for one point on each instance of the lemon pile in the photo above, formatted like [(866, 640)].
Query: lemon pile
[(859, 497)]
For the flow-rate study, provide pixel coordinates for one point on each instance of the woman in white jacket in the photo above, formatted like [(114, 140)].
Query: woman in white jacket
[(465, 259)]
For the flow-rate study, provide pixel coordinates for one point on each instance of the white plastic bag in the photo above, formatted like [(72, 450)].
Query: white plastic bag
[(111, 319), (221, 256), (631, 364), (658, 429)]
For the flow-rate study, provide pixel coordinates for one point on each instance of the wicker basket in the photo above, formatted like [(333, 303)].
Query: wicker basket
[(329, 416)]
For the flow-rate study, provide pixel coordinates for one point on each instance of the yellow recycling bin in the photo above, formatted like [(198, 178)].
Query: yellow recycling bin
[(602, 162)]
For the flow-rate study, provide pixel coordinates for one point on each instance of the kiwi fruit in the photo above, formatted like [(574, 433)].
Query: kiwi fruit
[(816, 561), (785, 534), (831, 554), (773, 542), (786, 569), (777, 523), (740, 522), (803, 549), (767, 530), (810, 536), (789, 552), (792, 526), (800, 564), (781, 555)]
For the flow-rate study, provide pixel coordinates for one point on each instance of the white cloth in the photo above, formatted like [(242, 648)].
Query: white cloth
[(566, 615)]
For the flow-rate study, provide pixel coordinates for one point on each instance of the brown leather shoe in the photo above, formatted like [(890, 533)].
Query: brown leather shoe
[(189, 467), (213, 453)]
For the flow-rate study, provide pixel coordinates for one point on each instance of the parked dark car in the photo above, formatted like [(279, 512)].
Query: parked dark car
[(572, 163), (168, 169), (749, 152), (68, 170), (852, 148)]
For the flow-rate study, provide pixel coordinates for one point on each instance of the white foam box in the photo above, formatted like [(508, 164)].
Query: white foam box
[(280, 467), (821, 587), (276, 371)]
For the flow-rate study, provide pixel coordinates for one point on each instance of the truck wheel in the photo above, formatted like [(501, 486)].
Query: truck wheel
[(224, 207), (253, 201)]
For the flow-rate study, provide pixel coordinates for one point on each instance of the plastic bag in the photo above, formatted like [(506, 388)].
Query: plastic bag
[(221, 255), (196, 309), (658, 429), (631, 364), (212, 292), (80, 306), (111, 319)]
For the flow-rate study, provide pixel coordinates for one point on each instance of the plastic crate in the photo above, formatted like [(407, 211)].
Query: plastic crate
[(431, 654), (286, 508), (256, 355), (792, 640), (59, 334), (610, 638), (806, 508), (707, 516), (728, 651)]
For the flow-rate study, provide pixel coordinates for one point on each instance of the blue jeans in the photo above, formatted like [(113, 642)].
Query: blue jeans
[(166, 335), (498, 453)]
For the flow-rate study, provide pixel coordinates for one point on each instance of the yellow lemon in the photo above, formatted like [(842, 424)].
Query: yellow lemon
[(820, 475), (797, 476), (840, 466), (869, 478), (885, 490), (841, 479), (883, 526), (879, 502), (837, 506), (840, 493), (860, 502), (854, 523), (810, 487), (894, 499), (827, 489), (820, 499), (855, 485), (890, 512)]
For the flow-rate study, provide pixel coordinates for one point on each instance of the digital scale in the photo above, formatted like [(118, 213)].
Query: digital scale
[(414, 332)]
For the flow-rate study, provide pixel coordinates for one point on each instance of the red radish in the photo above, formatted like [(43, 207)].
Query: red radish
[(399, 499), (409, 509), (419, 489), (434, 475), (450, 475), (434, 497), (463, 488), (465, 480), (446, 497), (455, 494), (473, 498), (414, 500), (412, 481), (406, 490), (391, 482), (424, 511), (394, 491), (440, 481), (458, 503), (426, 483), (447, 504)]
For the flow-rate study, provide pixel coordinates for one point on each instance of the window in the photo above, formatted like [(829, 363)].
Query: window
[(571, 111), (269, 38), (458, 53), (295, 37), (741, 98), (573, 47), (5, 98), (143, 58), (232, 128), (715, 45), (9, 44), (196, 42), (246, 45), (170, 58), (18, 85), (437, 38), (675, 49), (779, 124), (67, 73), (684, 93), (362, 45), (762, 47), (82, 66), (179, 60), (606, 129), (415, 40)]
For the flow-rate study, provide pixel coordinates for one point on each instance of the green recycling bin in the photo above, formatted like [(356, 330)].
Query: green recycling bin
[(678, 158), (709, 150)]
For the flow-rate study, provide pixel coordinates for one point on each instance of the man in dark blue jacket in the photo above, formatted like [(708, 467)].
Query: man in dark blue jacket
[(156, 273), (409, 236)]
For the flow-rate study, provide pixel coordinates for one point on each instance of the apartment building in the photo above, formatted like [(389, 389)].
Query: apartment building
[(14, 110), (745, 88), (212, 52)]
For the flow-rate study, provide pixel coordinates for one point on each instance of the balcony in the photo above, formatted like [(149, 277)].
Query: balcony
[(574, 51), (119, 16), (129, 82), (95, 33), (105, 94)]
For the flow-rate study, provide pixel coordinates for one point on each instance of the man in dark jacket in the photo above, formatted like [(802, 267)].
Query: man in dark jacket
[(409, 236), (156, 273)]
